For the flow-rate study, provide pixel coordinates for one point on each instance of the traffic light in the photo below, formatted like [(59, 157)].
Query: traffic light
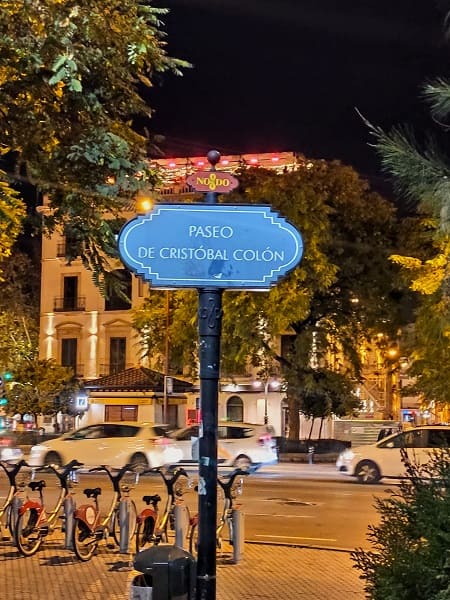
[(7, 376)]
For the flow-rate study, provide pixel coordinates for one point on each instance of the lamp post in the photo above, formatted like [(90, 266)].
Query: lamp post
[(269, 385)]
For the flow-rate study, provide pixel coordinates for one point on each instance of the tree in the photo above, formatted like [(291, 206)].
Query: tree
[(420, 170), (343, 289), (40, 387), (409, 556), (71, 77), (19, 310)]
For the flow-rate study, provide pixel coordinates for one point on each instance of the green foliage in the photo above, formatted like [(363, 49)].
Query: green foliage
[(19, 310), (12, 213), (409, 559), (40, 387), (420, 169), (342, 289), (71, 78)]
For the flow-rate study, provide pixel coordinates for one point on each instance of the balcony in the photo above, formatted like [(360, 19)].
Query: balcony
[(69, 304), (77, 369), (113, 368)]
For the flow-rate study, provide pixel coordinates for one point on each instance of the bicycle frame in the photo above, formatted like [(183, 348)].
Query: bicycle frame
[(90, 528), (174, 495), (34, 523), (14, 491), (226, 517)]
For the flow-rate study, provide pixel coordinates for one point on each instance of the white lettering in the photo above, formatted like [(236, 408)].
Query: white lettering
[(211, 231)]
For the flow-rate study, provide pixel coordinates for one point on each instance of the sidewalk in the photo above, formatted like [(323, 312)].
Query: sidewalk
[(265, 572)]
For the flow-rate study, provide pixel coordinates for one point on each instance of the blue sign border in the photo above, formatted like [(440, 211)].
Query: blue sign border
[(254, 223)]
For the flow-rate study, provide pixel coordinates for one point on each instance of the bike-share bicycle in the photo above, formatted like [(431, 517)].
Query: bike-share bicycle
[(225, 530), (89, 526), (153, 528), (14, 498), (34, 523)]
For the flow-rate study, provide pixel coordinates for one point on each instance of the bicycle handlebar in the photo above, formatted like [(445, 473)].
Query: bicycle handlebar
[(171, 480), (228, 485), (63, 472), (12, 473), (115, 479)]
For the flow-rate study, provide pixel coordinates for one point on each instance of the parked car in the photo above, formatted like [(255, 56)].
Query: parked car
[(112, 444), (239, 444), (371, 463), (14, 445)]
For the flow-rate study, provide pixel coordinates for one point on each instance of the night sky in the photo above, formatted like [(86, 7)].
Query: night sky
[(286, 75)]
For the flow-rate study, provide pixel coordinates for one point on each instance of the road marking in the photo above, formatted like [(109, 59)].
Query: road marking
[(289, 537)]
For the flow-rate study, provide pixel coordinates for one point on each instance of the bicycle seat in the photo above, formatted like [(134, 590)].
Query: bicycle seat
[(92, 492), (151, 499), (37, 485)]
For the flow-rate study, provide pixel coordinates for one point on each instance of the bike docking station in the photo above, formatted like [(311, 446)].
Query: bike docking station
[(210, 247)]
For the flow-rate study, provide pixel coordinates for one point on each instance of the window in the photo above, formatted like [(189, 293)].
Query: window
[(121, 413), (113, 430), (69, 353), (408, 439), (438, 438), (235, 409), (116, 301), (70, 293), (117, 354)]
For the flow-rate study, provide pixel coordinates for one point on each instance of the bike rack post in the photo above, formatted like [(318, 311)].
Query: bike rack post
[(69, 521), (181, 517), (16, 503), (124, 520), (238, 534)]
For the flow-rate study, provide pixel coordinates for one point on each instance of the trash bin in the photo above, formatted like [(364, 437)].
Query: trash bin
[(167, 573)]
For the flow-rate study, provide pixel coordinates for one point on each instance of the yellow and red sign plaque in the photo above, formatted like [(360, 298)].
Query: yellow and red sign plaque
[(212, 181)]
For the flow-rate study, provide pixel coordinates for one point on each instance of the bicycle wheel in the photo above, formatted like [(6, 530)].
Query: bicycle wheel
[(193, 540), (84, 543), (144, 534), (26, 534), (6, 529), (115, 525)]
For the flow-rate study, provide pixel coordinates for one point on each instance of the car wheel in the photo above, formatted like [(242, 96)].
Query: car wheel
[(139, 461), (53, 458), (367, 472), (242, 462)]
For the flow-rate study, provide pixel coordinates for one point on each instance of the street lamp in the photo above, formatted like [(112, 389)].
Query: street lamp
[(269, 385)]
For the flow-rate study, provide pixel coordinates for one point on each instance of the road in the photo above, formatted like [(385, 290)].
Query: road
[(307, 505)]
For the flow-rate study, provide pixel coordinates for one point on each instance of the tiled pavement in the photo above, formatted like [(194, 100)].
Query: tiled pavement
[(265, 571)]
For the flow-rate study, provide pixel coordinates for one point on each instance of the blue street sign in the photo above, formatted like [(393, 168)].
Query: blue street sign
[(210, 245)]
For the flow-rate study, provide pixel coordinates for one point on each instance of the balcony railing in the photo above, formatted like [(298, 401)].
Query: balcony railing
[(77, 369), (113, 368), (69, 304)]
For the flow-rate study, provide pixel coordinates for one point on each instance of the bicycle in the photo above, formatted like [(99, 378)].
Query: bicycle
[(151, 530), (230, 491), (90, 528), (16, 490), (34, 523)]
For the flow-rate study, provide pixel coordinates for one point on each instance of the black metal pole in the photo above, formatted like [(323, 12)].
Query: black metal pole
[(209, 326)]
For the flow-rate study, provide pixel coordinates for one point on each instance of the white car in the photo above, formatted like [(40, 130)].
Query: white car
[(112, 444), (371, 463), (239, 444)]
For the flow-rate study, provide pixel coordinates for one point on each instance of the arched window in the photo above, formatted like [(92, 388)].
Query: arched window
[(235, 409)]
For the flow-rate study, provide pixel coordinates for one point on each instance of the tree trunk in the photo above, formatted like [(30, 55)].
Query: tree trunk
[(311, 428), (294, 419), (320, 428)]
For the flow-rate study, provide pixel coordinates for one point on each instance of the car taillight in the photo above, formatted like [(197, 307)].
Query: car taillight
[(160, 441), (265, 440), (5, 442)]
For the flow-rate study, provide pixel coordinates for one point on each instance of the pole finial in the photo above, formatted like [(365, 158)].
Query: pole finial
[(213, 157)]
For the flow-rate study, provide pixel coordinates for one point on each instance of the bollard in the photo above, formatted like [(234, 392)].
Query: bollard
[(124, 522), (69, 521), (310, 455), (181, 517), (237, 517)]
